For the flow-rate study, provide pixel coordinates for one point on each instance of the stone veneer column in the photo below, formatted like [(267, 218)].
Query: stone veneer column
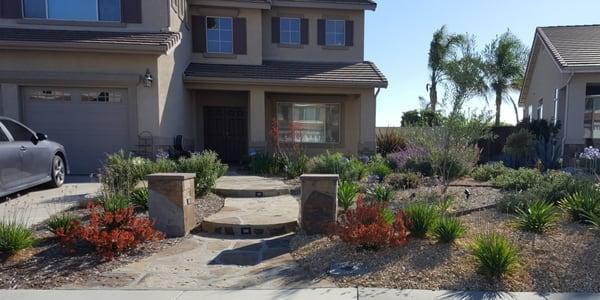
[(318, 206), (257, 114), (171, 203)]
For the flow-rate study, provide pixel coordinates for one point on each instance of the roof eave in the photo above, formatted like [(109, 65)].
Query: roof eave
[(324, 5), (284, 82), (86, 47), (231, 3)]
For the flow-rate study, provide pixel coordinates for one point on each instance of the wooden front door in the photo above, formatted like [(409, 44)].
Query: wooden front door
[(226, 132)]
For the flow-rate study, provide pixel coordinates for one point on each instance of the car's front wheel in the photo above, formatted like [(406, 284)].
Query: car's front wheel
[(58, 171)]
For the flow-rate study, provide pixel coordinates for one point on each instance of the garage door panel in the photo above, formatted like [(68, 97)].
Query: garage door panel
[(87, 129)]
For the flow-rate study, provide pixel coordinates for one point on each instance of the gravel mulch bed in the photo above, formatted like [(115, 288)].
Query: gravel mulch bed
[(480, 197), (49, 265), (566, 259)]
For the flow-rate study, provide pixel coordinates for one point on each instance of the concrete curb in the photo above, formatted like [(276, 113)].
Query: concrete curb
[(320, 293)]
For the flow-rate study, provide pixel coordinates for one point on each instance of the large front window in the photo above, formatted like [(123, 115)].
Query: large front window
[(308, 123), (219, 35), (73, 10)]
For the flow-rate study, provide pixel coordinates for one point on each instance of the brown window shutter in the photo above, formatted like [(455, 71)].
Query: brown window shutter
[(321, 32), (275, 30), (349, 33), (11, 9), (304, 31), (239, 36), (131, 11), (199, 34)]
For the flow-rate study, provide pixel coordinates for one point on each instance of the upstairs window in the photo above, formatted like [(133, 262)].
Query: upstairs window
[(289, 31), (73, 10), (335, 33), (219, 35)]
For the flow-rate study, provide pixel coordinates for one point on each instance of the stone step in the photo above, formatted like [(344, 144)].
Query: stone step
[(255, 217), (251, 187)]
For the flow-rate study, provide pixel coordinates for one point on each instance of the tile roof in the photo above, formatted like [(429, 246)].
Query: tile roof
[(343, 74), (573, 46), (152, 41)]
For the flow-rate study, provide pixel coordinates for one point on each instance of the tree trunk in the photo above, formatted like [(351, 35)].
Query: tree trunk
[(498, 106), (516, 108), (433, 94)]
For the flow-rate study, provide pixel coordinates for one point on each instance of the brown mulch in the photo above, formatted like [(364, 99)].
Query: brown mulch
[(566, 259), (49, 265)]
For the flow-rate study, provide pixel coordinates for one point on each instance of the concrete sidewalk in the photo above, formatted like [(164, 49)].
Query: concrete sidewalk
[(294, 294)]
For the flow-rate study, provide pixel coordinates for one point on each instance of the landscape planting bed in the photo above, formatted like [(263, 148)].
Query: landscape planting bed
[(565, 259)]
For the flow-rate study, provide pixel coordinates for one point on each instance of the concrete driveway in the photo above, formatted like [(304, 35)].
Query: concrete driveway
[(34, 206)]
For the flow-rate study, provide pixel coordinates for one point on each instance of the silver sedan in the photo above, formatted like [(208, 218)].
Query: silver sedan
[(28, 159)]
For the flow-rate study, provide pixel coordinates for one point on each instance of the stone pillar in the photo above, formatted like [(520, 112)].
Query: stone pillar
[(257, 113), (318, 206), (10, 101), (368, 111), (171, 203)]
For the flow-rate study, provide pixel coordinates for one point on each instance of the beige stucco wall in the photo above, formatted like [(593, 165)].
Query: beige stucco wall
[(313, 51), (154, 18), (254, 35), (358, 109), (547, 77), (20, 68)]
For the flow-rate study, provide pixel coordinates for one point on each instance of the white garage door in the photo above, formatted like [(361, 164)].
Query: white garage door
[(88, 122)]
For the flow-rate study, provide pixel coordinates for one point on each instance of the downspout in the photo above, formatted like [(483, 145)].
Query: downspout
[(566, 124), (377, 93)]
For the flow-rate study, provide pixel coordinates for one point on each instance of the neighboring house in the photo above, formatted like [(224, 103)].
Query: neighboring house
[(562, 83), (104, 75)]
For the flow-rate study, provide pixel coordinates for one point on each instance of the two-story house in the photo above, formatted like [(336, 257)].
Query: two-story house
[(104, 75)]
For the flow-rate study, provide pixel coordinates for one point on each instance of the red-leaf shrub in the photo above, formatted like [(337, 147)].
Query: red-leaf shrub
[(366, 226), (111, 234)]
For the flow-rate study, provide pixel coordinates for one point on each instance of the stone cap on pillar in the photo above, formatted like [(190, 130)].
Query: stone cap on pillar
[(171, 176), (320, 177)]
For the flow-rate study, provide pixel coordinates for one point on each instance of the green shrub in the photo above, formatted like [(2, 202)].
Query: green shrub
[(380, 193), (264, 164), (139, 198), (114, 202), (421, 165), (297, 166), (489, 171), (520, 144), (15, 237), (555, 186), (403, 181), (122, 172), (62, 223), (379, 167), (539, 216), (448, 229), (495, 253), (582, 203), (594, 219), (161, 165), (520, 179), (390, 141), (347, 192), (510, 203), (444, 203), (421, 218), (208, 168), (348, 168), (449, 167)]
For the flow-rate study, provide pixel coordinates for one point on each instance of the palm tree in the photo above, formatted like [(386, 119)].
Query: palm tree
[(516, 85), (505, 61), (465, 74), (441, 48)]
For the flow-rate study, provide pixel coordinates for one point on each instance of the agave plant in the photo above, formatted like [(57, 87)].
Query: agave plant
[(347, 192), (539, 216)]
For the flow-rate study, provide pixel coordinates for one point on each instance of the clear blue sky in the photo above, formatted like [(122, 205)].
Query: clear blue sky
[(399, 31)]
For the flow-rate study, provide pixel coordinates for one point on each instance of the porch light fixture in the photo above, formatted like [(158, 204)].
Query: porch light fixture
[(148, 79)]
